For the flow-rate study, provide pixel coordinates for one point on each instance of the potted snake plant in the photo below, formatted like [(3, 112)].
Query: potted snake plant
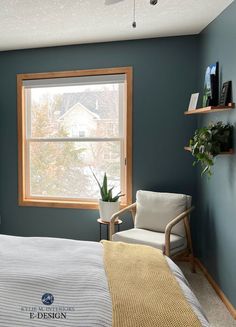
[(108, 204)]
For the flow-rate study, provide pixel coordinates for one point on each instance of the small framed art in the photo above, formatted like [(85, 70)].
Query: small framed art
[(193, 101), (211, 86), (226, 94)]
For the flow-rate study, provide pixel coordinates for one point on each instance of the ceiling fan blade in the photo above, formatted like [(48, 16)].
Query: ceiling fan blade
[(112, 2)]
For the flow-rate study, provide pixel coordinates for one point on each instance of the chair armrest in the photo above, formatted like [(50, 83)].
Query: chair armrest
[(131, 207), (170, 225), (118, 213)]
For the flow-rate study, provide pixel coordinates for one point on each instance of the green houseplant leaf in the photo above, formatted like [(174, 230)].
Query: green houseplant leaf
[(106, 194), (208, 142)]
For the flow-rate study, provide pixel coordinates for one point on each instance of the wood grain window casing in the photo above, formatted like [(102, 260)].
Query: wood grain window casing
[(23, 169)]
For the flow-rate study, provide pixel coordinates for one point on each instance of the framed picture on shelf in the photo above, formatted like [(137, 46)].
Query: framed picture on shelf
[(226, 94), (211, 86), (193, 101)]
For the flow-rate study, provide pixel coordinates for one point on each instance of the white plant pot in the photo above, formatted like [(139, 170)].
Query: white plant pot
[(107, 209)]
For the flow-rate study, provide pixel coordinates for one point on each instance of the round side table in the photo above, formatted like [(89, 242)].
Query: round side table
[(101, 222)]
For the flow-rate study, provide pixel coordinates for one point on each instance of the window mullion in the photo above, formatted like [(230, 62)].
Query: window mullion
[(85, 139)]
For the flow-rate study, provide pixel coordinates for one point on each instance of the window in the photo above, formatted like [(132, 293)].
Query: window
[(70, 124)]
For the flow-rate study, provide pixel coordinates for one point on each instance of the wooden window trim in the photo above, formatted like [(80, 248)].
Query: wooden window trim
[(65, 202)]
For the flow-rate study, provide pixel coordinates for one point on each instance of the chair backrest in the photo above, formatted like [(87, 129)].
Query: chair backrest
[(155, 210)]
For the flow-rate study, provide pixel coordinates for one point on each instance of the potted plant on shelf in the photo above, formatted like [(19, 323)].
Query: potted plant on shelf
[(208, 142), (108, 204)]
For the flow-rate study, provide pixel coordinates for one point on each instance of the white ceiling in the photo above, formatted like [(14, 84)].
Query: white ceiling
[(41, 23)]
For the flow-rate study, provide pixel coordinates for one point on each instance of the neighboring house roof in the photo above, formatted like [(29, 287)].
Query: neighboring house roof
[(93, 101), (77, 106)]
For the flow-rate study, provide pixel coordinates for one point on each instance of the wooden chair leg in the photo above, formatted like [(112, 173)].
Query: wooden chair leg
[(192, 261), (190, 245), (111, 230)]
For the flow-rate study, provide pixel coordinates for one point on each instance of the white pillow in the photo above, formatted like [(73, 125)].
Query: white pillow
[(155, 210)]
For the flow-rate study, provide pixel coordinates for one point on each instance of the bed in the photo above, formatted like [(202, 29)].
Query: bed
[(59, 282)]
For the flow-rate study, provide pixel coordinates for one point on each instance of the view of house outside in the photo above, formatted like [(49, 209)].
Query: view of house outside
[(72, 130)]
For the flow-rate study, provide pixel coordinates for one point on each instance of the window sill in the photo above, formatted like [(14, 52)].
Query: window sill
[(64, 203)]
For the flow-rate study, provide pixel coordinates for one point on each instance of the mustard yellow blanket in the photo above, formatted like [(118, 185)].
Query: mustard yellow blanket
[(143, 289)]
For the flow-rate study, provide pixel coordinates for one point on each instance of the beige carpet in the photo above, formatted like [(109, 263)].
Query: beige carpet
[(214, 308)]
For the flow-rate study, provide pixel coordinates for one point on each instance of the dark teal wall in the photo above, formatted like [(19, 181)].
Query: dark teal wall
[(216, 228), (164, 78)]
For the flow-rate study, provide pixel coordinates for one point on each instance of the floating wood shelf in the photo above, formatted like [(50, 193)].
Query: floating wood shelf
[(210, 109), (231, 151)]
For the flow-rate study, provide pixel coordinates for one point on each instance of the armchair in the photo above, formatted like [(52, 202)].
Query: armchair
[(160, 220)]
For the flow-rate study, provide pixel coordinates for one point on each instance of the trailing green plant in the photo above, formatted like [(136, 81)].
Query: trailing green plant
[(106, 194), (208, 142)]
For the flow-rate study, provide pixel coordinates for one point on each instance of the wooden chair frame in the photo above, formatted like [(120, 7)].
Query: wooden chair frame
[(183, 216)]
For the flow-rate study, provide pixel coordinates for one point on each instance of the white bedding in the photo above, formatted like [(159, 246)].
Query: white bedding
[(68, 273)]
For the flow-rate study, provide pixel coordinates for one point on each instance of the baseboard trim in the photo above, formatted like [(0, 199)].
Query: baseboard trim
[(217, 289)]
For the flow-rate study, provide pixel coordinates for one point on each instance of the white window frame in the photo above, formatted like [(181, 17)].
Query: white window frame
[(23, 169)]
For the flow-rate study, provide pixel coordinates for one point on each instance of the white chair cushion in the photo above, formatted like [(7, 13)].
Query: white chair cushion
[(155, 210), (147, 237)]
